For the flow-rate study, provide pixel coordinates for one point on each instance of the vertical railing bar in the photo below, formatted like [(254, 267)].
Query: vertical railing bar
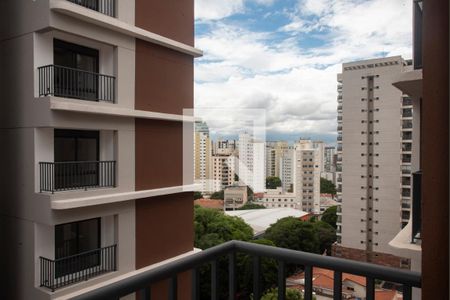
[(214, 281), (256, 277), (146, 293), (232, 280), (407, 292), (337, 283), (173, 287), (370, 288), (308, 282), (281, 280), (195, 282)]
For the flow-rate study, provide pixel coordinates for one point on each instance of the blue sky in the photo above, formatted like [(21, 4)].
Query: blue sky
[(283, 56)]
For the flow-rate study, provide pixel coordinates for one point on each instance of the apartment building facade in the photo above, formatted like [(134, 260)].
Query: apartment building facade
[(223, 171), (307, 159), (251, 166), (373, 129), (203, 172), (274, 153), (91, 128)]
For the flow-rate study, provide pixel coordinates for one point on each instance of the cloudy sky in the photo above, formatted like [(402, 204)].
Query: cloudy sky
[(283, 56)]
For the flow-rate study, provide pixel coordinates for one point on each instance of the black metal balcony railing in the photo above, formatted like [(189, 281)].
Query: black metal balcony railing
[(107, 7), (407, 113), (416, 206), (60, 176), (142, 282), (67, 82), (80, 267)]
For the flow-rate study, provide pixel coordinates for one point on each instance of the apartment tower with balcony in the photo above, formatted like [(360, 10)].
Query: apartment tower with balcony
[(91, 124), (373, 161)]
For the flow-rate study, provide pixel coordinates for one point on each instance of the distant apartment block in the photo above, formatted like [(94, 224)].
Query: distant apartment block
[(202, 157), (225, 147), (275, 198), (224, 169), (91, 127), (252, 171), (287, 169), (235, 197), (274, 153), (373, 161), (307, 160)]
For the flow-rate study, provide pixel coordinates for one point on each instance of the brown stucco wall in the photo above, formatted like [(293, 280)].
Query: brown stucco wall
[(435, 151), (378, 258), (164, 227), (159, 154), (164, 79), (171, 18)]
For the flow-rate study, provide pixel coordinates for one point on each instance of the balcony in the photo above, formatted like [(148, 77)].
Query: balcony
[(407, 124), (407, 113), (106, 7), (60, 81), (406, 147), (255, 253), (73, 175), (406, 135), (68, 270), (339, 137)]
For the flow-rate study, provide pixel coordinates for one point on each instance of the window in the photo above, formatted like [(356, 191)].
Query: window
[(75, 238)]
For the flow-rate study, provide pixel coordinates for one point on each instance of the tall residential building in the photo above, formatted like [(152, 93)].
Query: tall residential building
[(91, 116), (287, 169), (251, 168), (329, 159), (274, 153), (307, 175), (225, 147), (223, 171), (372, 152), (202, 157)]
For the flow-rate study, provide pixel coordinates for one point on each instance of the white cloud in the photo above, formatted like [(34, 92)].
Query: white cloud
[(217, 9), (297, 84)]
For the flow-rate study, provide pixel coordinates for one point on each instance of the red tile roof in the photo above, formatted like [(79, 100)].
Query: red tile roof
[(209, 203), (387, 295), (324, 278)]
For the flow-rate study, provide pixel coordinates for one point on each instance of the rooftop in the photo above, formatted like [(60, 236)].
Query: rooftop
[(261, 219)]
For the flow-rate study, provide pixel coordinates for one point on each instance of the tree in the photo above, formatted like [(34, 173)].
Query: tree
[(250, 205), (326, 235), (217, 195), (292, 233), (273, 182), (327, 187), (213, 227), (291, 294), (269, 270), (329, 216), (197, 195)]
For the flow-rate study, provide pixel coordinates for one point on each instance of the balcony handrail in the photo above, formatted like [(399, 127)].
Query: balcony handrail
[(72, 175), (77, 70), (60, 272), (106, 7), (77, 162), (61, 81), (141, 282)]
